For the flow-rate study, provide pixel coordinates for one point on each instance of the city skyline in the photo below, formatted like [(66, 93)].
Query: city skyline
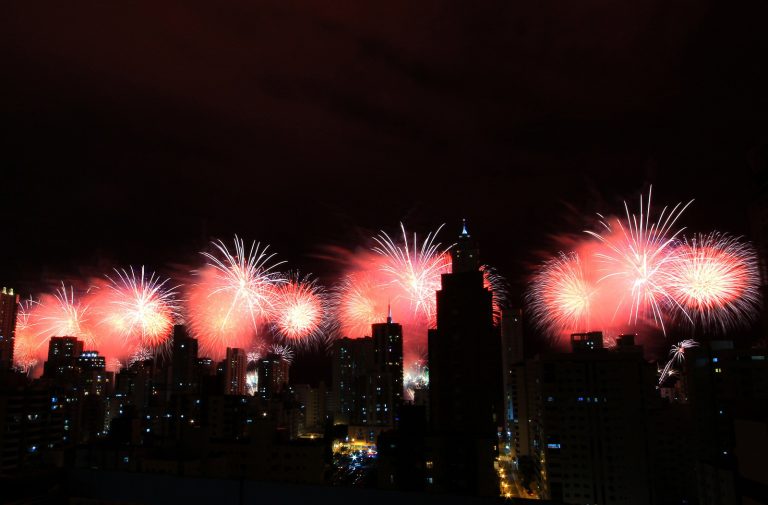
[(408, 252), (491, 417)]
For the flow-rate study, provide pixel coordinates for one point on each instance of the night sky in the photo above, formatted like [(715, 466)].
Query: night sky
[(136, 133)]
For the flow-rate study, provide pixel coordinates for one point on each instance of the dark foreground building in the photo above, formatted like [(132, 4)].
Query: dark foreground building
[(465, 396), (9, 306), (588, 422)]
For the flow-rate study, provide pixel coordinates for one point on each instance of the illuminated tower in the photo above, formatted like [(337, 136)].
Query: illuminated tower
[(234, 371), (465, 256), (388, 362), (9, 306), (93, 377), (465, 393)]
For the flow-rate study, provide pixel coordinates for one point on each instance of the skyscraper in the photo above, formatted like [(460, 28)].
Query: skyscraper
[(728, 385), (184, 360), (62, 357), (465, 397), (387, 391), (514, 382), (91, 367), (313, 401), (352, 362), (9, 306), (273, 375), (234, 371), (588, 411)]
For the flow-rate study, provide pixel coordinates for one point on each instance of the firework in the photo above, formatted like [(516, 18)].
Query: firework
[(360, 300), (62, 314), (252, 382), (638, 272), (561, 296), (714, 278), (141, 355), (253, 357), (55, 315), (285, 352), (233, 296), (497, 285), (415, 270), (677, 356), (140, 308), (300, 311), (25, 356), (633, 257), (415, 377), (113, 364)]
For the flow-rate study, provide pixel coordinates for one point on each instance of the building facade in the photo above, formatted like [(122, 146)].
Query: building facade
[(588, 422), (465, 390), (9, 306)]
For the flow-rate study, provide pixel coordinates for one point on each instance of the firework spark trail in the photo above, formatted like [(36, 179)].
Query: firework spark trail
[(359, 301), (140, 355), (561, 297), (285, 352), (61, 314), (497, 285), (253, 357), (634, 256), (25, 356), (233, 296), (301, 309), (677, 356), (715, 278), (246, 278), (140, 308), (415, 270)]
